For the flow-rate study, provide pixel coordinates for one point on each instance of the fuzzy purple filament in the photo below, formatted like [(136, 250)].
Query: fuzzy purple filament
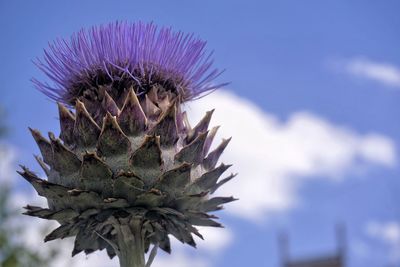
[(140, 51)]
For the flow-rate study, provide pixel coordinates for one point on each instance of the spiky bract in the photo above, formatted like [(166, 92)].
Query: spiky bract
[(122, 55), (142, 165)]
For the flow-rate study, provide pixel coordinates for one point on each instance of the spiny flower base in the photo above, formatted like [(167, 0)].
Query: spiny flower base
[(143, 175)]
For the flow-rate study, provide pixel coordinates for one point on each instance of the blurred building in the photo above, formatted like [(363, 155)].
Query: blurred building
[(330, 259)]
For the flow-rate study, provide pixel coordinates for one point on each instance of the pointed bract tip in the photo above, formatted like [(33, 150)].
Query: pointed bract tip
[(109, 105)]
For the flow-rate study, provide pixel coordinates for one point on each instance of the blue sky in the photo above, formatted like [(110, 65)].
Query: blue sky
[(328, 71)]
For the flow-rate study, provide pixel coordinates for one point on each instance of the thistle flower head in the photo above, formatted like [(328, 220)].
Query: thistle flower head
[(127, 170), (118, 56)]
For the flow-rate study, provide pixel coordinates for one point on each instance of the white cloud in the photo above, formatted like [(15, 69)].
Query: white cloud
[(381, 72), (388, 233), (209, 249), (215, 239), (274, 157), (7, 167), (180, 259)]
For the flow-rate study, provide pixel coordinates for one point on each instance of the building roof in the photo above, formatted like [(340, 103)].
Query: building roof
[(329, 261)]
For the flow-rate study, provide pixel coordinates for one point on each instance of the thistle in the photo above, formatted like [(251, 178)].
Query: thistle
[(127, 170)]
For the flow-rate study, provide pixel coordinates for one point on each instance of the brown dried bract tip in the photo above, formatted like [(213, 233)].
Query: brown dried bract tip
[(86, 130), (67, 124), (132, 119), (166, 127), (112, 140)]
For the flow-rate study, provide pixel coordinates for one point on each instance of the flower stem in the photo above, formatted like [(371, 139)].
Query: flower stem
[(130, 244)]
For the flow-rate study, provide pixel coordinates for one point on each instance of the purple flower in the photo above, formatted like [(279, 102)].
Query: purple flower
[(121, 55)]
